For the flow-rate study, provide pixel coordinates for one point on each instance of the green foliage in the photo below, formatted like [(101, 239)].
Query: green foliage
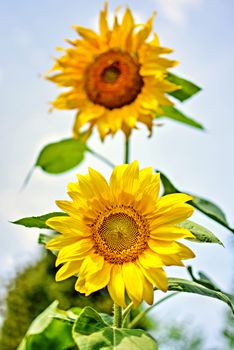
[(173, 113), (32, 291), (43, 239), (61, 156), (228, 331), (182, 285), (37, 221), (202, 234), (91, 332), (47, 332), (203, 205), (188, 89)]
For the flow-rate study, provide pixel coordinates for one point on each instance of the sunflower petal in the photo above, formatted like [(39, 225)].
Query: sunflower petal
[(98, 280), (67, 270), (157, 277), (116, 286), (133, 281)]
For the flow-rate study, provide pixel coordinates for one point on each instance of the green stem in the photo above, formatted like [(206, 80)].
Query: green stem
[(133, 323), (117, 316), (125, 315), (127, 142), (103, 159)]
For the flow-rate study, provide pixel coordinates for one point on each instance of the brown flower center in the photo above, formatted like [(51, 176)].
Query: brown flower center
[(120, 234), (113, 79)]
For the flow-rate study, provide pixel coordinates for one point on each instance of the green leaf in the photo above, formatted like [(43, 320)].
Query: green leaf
[(204, 280), (211, 210), (90, 332), (48, 333), (188, 89), (182, 285), (58, 157), (202, 234), (44, 239), (203, 205), (173, 113), (37, 221)]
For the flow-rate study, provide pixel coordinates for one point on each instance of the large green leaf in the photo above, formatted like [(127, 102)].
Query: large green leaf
[(205, 206), (37, 221), (202, 234), (211, 210), (183, 285), (173, 113), (58, 157), (47, 332), (188, 89), (204, 280), (91, 332)]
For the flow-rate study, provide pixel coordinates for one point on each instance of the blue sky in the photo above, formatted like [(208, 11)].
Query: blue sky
[(201, 33)]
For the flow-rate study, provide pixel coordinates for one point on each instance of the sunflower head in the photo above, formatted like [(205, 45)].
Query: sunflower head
[(120, 234), (114, 78)]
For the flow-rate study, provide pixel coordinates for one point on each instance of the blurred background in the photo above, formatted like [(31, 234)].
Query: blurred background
[(201, 33)]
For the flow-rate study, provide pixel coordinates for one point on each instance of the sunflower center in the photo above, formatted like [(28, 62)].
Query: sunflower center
[(111, 74), (120, 234), (113, 79)]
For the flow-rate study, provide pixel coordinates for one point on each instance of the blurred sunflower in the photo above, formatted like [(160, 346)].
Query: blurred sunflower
[(120, 234), (114, 78)]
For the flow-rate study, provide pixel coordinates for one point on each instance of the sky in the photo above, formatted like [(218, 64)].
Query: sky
[(201, 33)]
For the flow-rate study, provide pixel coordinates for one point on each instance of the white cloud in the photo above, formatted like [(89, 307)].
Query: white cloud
[(177, 10)]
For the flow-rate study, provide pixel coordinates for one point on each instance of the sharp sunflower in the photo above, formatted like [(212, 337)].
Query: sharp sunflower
[(120, 234), (115, 78)]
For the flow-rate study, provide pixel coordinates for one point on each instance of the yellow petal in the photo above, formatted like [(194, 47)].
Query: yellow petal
[(145, 176), (140, 37), (103, 23), (133, 280), (171, 260), (148, 292), (130, 179), (170, 233), (116, 286), (170, 200), (88, 35), (157, 277), (170, 248), (75, 251), (60, 242), (67, 207), (116, 180), (67, 270), (68, 226), (173, 215), (92, 264), (100, 185), (99, 279), (150, 259), (126, 29)]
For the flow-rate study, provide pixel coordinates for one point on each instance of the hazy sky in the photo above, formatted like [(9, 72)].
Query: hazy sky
[(201, 32)]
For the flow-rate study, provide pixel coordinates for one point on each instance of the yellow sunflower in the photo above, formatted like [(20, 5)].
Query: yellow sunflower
[(120, 234), (115, 78)]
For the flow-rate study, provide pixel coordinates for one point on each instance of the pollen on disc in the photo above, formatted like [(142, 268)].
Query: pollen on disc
[(119, 231)]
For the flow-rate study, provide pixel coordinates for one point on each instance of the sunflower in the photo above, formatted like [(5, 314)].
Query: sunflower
[(120, 234), (115, 78)]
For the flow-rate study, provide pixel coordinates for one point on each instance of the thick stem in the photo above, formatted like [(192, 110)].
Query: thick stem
[(133, 323), (117, 316), (127, 143)]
